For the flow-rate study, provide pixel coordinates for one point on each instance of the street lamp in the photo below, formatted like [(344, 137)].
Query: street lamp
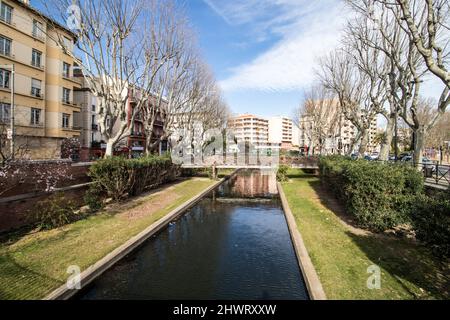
[(12, 115)]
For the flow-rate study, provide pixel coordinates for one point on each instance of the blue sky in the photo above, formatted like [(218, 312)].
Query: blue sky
[(263, 51)]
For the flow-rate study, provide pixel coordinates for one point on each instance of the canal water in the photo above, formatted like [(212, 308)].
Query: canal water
[(234, 244)]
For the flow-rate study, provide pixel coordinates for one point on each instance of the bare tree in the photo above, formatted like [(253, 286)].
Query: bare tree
[(123, 46), (407, 69), (365, 47), (319, 116), (340, 73), (427, 25)]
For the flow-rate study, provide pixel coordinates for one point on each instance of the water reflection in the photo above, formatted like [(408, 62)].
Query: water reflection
[(251, 184), (217, 250)]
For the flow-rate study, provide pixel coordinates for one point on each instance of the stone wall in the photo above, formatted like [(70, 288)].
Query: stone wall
[(20, 198)]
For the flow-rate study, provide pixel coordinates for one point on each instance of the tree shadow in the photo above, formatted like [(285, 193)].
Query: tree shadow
[(28, 283), (407, 262), (405, 259)]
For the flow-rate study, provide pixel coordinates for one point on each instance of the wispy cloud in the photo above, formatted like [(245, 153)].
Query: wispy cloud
[(306, 29)]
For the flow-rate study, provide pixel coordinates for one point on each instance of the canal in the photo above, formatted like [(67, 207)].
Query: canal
[(233, 244)]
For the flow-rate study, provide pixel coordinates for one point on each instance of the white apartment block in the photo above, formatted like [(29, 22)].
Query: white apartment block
[(283, 131), (276, 131), (250, 128)]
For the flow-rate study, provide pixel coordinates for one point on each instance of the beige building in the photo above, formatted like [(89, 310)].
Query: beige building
[(340, 136), (89, 107), (44, 84), (250, 128)]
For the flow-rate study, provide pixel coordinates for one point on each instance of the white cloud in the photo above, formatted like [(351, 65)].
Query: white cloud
[(307, 30)]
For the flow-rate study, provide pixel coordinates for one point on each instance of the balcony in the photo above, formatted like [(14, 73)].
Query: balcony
[(159, 123), (72, 128), (37, 125), (138, 134), (70, 103), (7, 54), (37, 94), (38, 36), (37, 65)]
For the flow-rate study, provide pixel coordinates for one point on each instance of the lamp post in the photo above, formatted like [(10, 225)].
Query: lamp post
[(12, 115)]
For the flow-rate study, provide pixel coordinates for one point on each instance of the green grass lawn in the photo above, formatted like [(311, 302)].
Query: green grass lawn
[(341, 254), (33, 265)]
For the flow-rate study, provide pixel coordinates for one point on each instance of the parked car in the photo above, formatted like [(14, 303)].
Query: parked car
[(392, 157), (403, 155), (372, 157)]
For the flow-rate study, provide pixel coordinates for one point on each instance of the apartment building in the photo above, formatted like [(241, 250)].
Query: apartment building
[(250, 128), (340, 136), (44, 84), (283, 131), (91, 138)]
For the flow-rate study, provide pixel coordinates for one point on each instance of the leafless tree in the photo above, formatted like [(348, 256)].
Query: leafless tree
[(407, 68), (427, 25), (339, 72), (365, 45), (123, 44), (318, 116)]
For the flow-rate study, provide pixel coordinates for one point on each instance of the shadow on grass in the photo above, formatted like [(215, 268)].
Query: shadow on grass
[(20, 279), (407, 262), (404, 259)]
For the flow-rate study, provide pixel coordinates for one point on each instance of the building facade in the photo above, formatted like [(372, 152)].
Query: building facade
[(250, 128), (283, 131), (340, 138), (44, 85), (91, 138)]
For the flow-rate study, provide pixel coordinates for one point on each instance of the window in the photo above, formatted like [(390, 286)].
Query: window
[(35, 116), (65, 120), (5, 46), (67, 44), (93, 108), (66, 95), (36, 87), (5, 75), (36, 57), (66, 70), (5, 112), (37, 29), (93, 119), (6, 12)]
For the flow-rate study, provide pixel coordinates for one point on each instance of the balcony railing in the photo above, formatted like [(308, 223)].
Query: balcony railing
[(94, 127), (37, 65), (37, 94), (38, 36)]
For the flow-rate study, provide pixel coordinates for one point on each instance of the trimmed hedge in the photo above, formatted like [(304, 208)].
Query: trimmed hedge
[(381, 196), (430, 218), (378, 195), (282, 173), (122, 177)]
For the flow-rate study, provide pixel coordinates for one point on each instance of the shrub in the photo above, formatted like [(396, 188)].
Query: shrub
[(431, 221), (378, 195), (56, 211), (282, 173), (93, 197), (121, 177)]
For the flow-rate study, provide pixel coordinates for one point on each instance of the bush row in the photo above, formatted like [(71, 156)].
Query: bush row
[(122, 177), (381, 196)]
